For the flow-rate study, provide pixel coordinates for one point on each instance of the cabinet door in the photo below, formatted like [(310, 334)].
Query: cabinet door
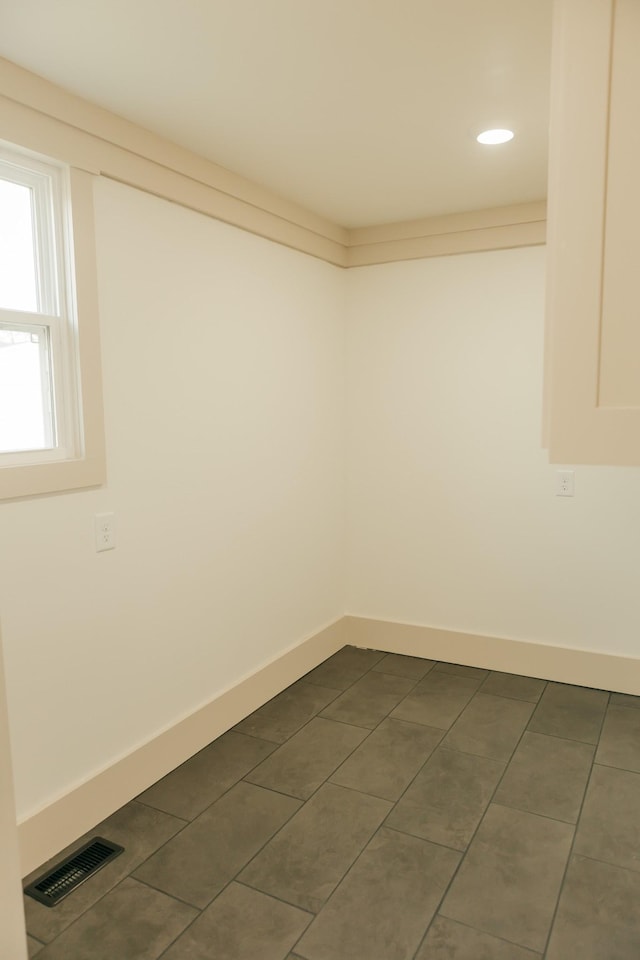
[(592, 389)]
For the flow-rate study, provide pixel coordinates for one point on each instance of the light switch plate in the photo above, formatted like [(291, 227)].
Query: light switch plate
[(105, 531), (565, 483)]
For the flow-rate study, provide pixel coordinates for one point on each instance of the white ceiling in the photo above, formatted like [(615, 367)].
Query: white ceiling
[(364, 111)]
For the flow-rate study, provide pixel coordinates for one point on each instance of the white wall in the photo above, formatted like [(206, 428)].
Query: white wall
[(225, 387), (224, 393), (453, 522)]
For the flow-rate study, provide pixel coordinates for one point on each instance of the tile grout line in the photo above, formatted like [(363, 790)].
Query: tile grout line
[(440, 745), (289, 819), (327, 779), (163, 953), (437, 746), (463, 671), (293, 814), (456, 718), (499, 673), (38, 940), (555, 736), (504, 696), (185, 823), (117, 882), (436, 912), (318, 716), (342, 879), (363, 793), (386, 715), (234, 879), (608, 863), (310, 683), (275, 743), (241, 733), (345, 723), (204, 810), (268, 840), (100, 899), (575, 834), (495, 936), (383, 825), (402, 676), (172, 896), (242, 883), (612, 766), (443, 733), (414, 836), (274, 896), (622, 706), (324, 782), (543, 816), (242, 779)]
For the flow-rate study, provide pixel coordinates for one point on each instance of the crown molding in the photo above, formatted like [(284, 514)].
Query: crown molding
[(43, 117), (496, 228)]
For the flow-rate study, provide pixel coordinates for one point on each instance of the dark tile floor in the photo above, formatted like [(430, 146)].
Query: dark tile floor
[(381, 808)]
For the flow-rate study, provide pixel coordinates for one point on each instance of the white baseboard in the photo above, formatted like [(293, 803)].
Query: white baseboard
[(65, 819), (584, 668), (61, 822)]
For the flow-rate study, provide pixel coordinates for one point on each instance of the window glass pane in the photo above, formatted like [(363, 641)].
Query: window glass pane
[(18, 289), (25, 399)]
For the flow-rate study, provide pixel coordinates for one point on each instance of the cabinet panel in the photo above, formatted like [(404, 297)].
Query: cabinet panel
[(592, 389), (620, 333)]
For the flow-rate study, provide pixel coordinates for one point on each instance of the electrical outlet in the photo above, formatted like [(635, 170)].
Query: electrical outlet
[(105, 531), (565, 483)]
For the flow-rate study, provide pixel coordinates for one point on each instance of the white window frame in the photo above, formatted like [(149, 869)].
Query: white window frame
[(64, 237)]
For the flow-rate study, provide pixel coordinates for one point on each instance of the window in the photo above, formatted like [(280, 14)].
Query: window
[(38, 381), (49, 384)]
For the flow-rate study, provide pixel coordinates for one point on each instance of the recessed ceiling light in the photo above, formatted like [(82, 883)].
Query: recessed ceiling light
[(495, 136)]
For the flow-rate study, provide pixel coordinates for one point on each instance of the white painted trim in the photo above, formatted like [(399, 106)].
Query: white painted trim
[(78, 114), (88, 468), (13, 938), (497, 228), (585, 668), (41, 116), (515, 213), (450, 243), (592, 278), (61, 822)]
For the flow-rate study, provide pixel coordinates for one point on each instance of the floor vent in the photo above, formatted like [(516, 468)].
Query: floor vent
[(54, 886)]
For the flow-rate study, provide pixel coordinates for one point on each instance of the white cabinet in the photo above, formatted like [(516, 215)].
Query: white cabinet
[(592, 389)]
